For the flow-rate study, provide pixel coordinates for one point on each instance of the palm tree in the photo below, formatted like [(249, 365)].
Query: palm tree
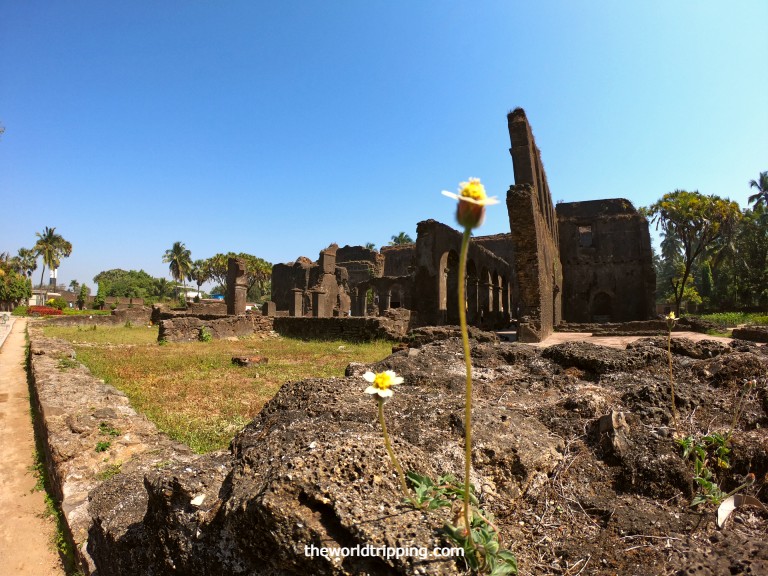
[(401, 238), (52, 247), (198, 273), (762, 190), (179, 261), (370, 245), (26, 261)]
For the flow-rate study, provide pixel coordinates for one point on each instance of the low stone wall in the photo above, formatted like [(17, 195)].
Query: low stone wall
[(752, 333), (187, 328), (346, 328), (140, 315), (639, 327), (76, 415)]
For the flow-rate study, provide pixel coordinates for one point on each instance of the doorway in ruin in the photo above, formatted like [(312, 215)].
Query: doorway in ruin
[(473, 310), (396, 296), (449, 286), (602, 308)]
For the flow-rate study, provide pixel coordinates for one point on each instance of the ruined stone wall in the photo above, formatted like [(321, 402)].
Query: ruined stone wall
[(356, 329), (399, 259), (435, 281), (118, 317), (503, 246), (188, 328), (608, 273), (533, 227), (360, 263), (286, 277)]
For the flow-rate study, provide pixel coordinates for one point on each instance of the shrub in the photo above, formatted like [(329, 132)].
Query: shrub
[(43, 311), (20, 311), (59, 303)]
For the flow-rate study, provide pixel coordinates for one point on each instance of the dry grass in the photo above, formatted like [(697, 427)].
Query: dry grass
[(192, 391)]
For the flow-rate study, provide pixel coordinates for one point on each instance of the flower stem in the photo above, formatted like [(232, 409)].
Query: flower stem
[(391, 452), (468, 397)]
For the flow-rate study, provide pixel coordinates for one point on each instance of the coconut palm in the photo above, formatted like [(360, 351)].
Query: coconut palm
[(26, 261), (401, 238), (52, 247), (179, 260), (762, 190), (198, 273)]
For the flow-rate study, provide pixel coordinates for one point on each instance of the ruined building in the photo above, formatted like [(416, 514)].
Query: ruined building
[(582, 262)]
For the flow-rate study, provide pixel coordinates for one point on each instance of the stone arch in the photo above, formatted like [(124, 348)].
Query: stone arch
[(473, 309), (484, 289)]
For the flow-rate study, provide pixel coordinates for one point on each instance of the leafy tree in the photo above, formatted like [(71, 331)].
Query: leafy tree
[(761, 198), (82, 297), (370, 245), (52, 247), (258, 273), (14, 286), (697, 221), (179, 260), (751, 257), (74, 285), (125, 283), (401, 238)]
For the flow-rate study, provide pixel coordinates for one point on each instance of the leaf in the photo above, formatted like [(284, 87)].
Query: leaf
[(731, 503)]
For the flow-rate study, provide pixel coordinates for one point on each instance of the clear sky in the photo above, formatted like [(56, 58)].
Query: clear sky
[(276, 128)]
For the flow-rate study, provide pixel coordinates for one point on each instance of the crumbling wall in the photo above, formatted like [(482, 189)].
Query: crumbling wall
[(399, 259), (608, 273), (435, 280), (533, 227), (392, 326), (287, 277), (189, 328), (360, 263)]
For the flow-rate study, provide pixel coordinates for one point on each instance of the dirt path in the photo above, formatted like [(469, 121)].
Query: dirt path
[(26, 536)]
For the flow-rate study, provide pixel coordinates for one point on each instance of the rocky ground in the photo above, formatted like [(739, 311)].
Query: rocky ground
[(574, 453)]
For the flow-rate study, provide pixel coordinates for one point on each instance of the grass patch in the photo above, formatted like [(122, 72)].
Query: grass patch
[(732, 319), (191, 390)]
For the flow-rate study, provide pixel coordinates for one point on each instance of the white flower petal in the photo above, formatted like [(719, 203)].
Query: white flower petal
[(371, 390), (385, 393), (398, 380), (369, 376)]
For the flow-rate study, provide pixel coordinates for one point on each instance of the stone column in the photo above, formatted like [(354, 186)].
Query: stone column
[(319, 308), (236, 287), (296, 305)]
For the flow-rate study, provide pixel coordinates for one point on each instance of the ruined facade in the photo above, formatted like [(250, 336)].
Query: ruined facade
[(533, 226), (608, 273), (538, 274)]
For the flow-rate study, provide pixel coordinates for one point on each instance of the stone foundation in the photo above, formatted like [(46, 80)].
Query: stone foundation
[(187, 328)]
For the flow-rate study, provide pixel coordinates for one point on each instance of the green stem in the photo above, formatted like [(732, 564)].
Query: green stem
[(468, 397), (391, 452)]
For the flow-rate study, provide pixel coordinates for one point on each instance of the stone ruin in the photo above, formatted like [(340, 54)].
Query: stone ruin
[(579, 262)]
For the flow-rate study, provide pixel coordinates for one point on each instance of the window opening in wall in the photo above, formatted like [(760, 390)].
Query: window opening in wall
[(585, 236)]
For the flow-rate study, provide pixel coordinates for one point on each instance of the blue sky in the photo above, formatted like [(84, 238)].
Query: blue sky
[(276, 128)]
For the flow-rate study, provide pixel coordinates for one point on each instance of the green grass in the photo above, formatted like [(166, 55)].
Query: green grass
[(191, 390), (732, 319)]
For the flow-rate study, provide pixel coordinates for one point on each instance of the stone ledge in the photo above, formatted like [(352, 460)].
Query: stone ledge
[(74, 412)]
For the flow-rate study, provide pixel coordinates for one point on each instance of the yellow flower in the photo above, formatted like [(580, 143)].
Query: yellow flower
[(671, 316), (472, 202), (382, 383)]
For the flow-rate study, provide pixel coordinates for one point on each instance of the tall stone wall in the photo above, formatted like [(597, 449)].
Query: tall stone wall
[(398, 260), (608, 273), (534, 232)]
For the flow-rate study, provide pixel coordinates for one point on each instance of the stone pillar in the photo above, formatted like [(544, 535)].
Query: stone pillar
[(385, 298), (236, 287), (296, 305), (268, 309), (319, 308), (472, 304), (496, 298)]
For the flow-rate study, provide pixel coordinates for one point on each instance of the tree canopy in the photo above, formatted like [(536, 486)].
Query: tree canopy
[(179, 260), (258, 272), (698, 222), (52, 247), (401, 238)]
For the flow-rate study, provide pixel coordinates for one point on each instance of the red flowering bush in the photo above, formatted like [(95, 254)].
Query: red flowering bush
[(43, 311)]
